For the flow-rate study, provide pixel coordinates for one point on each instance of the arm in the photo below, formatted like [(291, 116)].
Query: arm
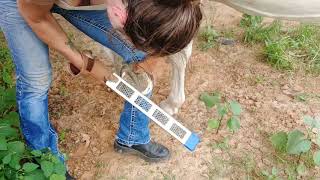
[(48, 30)]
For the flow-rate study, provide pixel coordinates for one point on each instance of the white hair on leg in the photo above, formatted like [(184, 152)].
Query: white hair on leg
[(177, 97)]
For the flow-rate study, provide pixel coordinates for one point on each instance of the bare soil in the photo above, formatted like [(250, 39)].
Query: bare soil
[(88, 113)]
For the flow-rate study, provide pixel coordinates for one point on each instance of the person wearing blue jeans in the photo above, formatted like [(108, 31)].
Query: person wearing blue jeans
[(29, 29)]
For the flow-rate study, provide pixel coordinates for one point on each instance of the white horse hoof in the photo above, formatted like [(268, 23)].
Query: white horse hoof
[(169, 108)]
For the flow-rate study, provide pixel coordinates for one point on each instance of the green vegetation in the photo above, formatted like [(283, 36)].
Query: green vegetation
[(226, 110), (208, 38), (296, 143), (286, 50), (17, 161)]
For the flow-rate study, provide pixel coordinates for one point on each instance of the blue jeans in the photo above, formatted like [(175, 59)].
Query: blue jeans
[(33, 72)]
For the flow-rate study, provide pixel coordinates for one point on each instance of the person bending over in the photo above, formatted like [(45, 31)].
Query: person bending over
[(137, 30)]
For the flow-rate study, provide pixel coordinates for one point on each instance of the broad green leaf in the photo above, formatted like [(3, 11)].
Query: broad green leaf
[(47, 168), (297, 143), (57, 177), (301, 169), (213, 124), (60, 168), (233, 124), (7, 77), (29, 167), (222, 110), (7, 131), (3, 143), (55, 159), (210, 100), (36, 153), (2, 155), (12, 118), (308, 120), (316, 158), (7, 159), (10, 97), (235, 108), (279, 141), (15, 161), (16, 146), (35, 175)]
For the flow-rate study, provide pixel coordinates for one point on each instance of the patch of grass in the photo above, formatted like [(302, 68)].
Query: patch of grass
[(63, 134), (256, 31), (6, 64), (296, 48), (276, 53), (229, 33), (63, 91), (208, 38)]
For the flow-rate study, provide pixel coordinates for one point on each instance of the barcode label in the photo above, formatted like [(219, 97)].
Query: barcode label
[(162, 118), (178, 130), (143, 103), (127, 91)]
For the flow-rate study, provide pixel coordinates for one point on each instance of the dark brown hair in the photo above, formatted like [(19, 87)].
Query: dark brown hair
[(162, 27)]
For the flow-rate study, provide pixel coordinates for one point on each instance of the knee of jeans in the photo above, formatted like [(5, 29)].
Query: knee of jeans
[(36, 82)]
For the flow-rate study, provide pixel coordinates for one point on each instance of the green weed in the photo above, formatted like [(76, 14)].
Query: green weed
[(256, 31), (273, 175), (230, 110), (296, 48), (208, 37), (63, 134), (296, 143), (6, 65)]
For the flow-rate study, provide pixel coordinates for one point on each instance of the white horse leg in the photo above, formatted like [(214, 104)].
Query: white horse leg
[(176, 97)]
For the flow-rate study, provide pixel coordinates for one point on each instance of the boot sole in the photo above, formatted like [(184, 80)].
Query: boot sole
[(126, 150)]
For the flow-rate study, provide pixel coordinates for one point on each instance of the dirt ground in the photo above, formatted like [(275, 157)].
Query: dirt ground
[(87, 114)]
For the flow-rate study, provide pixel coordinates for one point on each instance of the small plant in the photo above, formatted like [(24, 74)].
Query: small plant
[(63, 134), (226, 110), (297, 143), (271, 176), (208, 38)]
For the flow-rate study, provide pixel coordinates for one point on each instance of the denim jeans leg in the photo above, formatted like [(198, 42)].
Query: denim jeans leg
[(133, 126), (33, 72)]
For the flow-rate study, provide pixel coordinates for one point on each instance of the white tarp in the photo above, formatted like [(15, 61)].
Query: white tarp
[(300, 10)]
